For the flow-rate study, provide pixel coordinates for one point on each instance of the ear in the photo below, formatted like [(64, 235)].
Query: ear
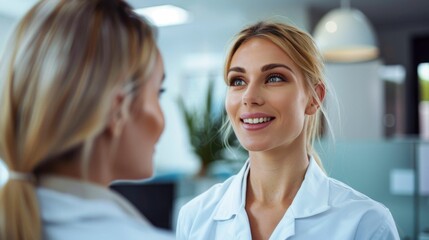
[(116, 116), (313, 104)]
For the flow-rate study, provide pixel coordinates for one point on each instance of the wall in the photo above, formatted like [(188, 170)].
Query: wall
[(6, 26), (359, 90), (396, 48)]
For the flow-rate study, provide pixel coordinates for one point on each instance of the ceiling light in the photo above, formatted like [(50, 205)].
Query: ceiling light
[(164, 15), (346, 35)]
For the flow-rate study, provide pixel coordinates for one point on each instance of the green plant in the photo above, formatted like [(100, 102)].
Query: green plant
[(204, 126)]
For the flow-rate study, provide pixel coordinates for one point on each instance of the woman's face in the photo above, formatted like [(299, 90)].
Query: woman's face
[(142, 129), (266, 99)]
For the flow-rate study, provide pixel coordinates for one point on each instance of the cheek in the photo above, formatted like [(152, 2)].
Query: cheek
[(153, 119), (297, 110), (149, 117), (232, 103), (296, 99)]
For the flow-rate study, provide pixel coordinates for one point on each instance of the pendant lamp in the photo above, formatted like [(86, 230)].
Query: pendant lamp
[(345, 35)]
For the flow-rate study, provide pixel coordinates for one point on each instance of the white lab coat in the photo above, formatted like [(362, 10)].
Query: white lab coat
[(323, 208), (73, 210)]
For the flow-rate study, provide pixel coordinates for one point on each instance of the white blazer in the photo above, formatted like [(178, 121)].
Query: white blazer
[(323, 208), (73, 210)]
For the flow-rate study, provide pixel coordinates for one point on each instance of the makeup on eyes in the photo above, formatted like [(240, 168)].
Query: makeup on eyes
[(238, 81), (279, 76), (233, 82)]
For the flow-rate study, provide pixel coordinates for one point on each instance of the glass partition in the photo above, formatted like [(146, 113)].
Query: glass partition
[(375, 168)]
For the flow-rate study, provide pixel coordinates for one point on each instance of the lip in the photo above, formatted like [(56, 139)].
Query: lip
[(254, 127)]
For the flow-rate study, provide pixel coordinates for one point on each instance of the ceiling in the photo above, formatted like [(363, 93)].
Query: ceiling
[(379, 12), (215, 22)]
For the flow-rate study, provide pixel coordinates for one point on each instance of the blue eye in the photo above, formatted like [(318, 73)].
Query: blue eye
[(274, 78), (237, 82)]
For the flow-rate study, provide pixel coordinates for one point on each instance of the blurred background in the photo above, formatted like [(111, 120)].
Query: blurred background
[(377, 61)]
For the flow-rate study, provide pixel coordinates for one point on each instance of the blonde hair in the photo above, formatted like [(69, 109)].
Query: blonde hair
[(58, 75), (300, 47)]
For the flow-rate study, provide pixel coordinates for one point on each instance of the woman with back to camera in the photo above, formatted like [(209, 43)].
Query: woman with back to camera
[(79, 108), (274, 101)]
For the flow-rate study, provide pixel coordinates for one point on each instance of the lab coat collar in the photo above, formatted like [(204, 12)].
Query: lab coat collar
[(90, 198), (234, 198), (312, 197)]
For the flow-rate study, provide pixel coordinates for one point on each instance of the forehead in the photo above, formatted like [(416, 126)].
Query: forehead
[(260, 51)]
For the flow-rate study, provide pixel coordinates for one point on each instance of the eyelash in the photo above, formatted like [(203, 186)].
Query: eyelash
[(231, 82), (276, 75)]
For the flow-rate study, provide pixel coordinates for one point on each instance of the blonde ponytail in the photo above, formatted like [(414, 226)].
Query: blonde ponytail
[(20, 217)]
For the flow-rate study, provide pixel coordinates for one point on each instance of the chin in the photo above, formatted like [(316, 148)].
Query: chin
[(255, 147)]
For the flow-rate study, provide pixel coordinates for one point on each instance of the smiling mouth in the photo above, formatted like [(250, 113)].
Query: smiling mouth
[(257, 120)]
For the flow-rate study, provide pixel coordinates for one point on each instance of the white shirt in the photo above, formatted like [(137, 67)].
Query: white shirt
[(323, 208), (71, 209)]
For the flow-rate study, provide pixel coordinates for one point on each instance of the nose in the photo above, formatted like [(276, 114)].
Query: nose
[(252, 96)]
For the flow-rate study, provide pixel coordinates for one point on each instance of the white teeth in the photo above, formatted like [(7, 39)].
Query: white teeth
[(256, 120)]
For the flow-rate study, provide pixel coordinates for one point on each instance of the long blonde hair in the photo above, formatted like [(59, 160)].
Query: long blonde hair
[(301, 48), (58, 74)]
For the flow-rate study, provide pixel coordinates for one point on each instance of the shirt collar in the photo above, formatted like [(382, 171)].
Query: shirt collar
[(88, 191), (311, 199), (234, 198), (313, 196)]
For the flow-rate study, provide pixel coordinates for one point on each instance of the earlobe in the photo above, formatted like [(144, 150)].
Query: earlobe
[(311, 108)]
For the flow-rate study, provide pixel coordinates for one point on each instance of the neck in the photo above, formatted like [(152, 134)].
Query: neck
[(97, 169), (276, 177)]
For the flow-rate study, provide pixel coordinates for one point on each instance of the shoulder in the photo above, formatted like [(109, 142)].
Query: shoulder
[(107, 228), (373, 220), (66, 216), (341, 194)]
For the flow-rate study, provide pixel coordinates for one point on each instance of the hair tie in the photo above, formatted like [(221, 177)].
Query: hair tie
[(19, 176)]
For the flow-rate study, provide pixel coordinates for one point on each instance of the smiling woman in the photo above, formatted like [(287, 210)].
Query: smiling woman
[(274, 102), (272, 79)]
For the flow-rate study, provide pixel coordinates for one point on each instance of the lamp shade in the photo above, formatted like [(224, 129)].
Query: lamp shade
[(345, 35)]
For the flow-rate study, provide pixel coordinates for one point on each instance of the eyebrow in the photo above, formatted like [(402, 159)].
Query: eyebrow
[(263, 68), (274, 65), (237, 69)]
